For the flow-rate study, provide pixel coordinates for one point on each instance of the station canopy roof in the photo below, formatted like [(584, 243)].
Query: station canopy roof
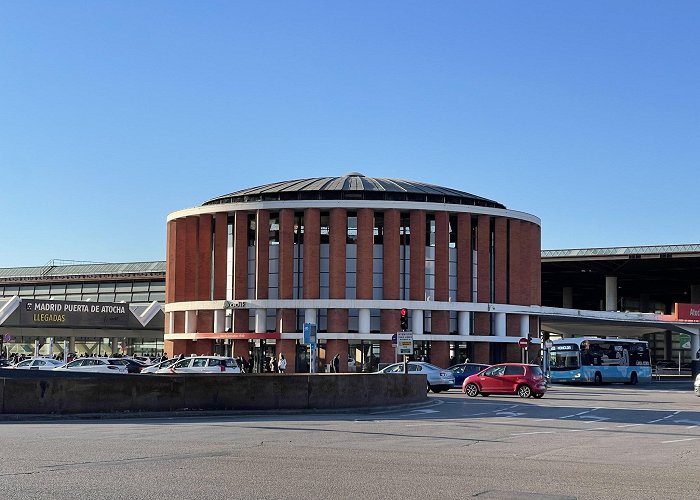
[(354, 186)]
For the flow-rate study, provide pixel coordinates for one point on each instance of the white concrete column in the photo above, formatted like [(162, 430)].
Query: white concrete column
[(524, 325), (463, 324), (611, 293), (500, 324), (363, 321), (310, 316), (171, 323), (219, 320), (567, 298), (71, 344), (190, 321), (417, 322), (260, 320), (114, 344), (695, 346)]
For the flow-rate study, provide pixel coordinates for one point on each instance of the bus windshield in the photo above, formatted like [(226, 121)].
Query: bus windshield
[(564, 360)]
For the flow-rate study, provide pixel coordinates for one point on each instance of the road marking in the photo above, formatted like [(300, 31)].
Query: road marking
[(424, 411), (629, 425), (534, 432), (679, 440), (693, 423), (664, 418), (509, 414)]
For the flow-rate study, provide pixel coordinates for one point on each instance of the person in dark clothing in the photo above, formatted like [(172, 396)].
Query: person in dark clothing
[(336, 364)]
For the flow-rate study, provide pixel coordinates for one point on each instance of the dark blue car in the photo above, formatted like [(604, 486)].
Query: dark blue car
[(463, 370)]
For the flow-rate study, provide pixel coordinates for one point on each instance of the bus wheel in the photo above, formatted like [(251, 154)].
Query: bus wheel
[(524, 391), (634, 379), (598, 378)]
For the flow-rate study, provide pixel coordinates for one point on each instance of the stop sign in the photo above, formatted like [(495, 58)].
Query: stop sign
[(523, 342)]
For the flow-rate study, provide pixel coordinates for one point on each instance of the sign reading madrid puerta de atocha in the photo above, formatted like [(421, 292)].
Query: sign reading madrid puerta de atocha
[(50, 313)]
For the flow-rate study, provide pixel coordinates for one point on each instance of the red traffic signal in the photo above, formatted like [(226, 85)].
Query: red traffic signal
[(404, 319)]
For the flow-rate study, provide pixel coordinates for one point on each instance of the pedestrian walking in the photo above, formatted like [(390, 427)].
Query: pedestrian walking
[(336, 364), (282, 365), (273, 364)]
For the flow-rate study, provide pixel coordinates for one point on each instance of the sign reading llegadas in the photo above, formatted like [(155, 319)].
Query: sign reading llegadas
[(64, 314)]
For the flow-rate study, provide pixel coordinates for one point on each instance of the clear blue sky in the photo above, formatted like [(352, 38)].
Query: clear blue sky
[(114, 114)]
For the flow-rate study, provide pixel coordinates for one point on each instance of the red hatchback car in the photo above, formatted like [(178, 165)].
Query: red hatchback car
[(507, 378)]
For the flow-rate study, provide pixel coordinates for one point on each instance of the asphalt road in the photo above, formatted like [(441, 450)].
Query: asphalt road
[(607, 442)]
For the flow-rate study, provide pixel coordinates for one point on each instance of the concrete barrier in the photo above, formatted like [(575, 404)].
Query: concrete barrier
[(63, 395)]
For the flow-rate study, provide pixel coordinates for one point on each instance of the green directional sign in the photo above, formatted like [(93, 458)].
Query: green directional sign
[(684, 339)]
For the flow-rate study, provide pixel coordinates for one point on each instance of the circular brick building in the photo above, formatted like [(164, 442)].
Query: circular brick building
[(245, 271)]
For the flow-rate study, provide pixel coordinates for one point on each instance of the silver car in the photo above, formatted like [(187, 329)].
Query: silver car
[(38, 364), (439, 379), (203, 364), (696, 385), (95, 365)]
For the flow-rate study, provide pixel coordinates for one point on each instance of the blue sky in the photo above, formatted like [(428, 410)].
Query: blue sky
[(114, 114)]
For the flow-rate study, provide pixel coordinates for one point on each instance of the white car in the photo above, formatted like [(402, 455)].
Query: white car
[(38, 364), (696, 385), (95, 365), (439, 379), (158, 366), (203, 364)]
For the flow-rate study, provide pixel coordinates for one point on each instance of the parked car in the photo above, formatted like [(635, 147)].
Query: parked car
[(95, 365), (439, 379), (507, 378), (158, 366), (203, 364), (38, 364), (5, 363), (463, 370), (132, 365), (696, 385)]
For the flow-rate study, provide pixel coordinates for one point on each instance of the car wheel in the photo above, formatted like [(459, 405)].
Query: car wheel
[(597, 378), (634, 379), (436, 390), (524, 391), (471, 390), (538, 395), (428, 390)]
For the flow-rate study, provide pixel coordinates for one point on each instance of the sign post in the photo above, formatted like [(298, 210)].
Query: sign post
[(404, 347), (522, 342), (310, 338)]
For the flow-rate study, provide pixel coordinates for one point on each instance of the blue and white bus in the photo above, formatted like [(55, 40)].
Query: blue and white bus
[(599, 360)]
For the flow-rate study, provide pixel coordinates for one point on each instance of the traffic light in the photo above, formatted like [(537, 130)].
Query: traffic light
[(404, 319)]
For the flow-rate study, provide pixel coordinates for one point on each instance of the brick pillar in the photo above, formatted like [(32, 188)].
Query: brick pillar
[(287, 317), (391, 269), (482, 324), (500, 260), (205, 318), (240, 273), (441, 319), (312, 247), (440, 353), (417, 223), (337, 346), (464, 257), (220, 250), (337, 318), (481, 353), (365, 252), (288, 348), (262, 254), (241, 348), (517, 277), (391, 272), (171, 271)]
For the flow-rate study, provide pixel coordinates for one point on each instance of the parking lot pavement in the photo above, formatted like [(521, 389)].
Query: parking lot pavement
[(588, 442)]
